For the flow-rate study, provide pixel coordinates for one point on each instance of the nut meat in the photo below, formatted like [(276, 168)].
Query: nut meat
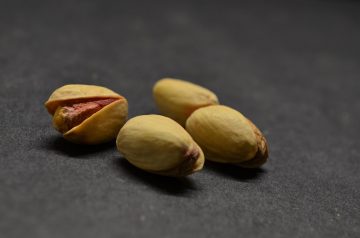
[(87, 114)]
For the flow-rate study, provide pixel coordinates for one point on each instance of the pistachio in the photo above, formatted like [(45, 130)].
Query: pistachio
[(177, 99), (87, 114), (159, 145), (226, 136)]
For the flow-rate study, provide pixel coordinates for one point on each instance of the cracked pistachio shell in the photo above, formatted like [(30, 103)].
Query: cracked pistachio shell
[(177, 99), (226, 136), (159, 145), (96, 127)]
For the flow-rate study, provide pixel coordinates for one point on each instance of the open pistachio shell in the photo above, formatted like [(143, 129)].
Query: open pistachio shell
[(77, 93), (87, 114), (177, 99), (226, 136), (159, 145)]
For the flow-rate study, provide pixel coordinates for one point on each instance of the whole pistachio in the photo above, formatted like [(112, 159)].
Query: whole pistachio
[(159, 145), (177, 99), (87, 114), (226, 136)]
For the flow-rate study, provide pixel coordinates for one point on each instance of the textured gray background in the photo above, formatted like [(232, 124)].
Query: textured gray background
[(293, 68)]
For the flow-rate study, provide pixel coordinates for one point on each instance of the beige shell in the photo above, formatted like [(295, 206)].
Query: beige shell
[(177, 99), (99, 127), (159, 145), (77, 92), (226, 136)]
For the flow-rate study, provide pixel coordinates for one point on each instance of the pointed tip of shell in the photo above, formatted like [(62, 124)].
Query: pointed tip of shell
[(193, 162), (262, 154)]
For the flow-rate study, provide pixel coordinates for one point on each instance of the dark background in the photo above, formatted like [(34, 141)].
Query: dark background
[(293, 67)]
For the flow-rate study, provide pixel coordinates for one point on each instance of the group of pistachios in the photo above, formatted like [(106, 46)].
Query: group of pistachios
[(194, 127)]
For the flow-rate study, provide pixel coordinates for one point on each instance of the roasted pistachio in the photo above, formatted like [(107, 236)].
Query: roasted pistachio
[(87, 114), (226, 136), (159, 145), (177, 99)]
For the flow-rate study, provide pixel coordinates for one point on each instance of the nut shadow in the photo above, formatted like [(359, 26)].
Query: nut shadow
[(235, 172), (59, 145), (184, 186)]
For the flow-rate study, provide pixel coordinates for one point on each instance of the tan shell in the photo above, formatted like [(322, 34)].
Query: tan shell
[(159, 145), (100, 127), (177, 99), (226, 136), (77, 92), (262, 154)]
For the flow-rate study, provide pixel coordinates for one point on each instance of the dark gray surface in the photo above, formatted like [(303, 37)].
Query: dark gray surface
[(293, 68)]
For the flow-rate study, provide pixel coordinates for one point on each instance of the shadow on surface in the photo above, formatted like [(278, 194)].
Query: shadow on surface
[(62, 146), (235, 172), (167, 185)]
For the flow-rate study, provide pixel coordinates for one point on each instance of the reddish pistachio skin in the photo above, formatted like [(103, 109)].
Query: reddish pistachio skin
[(87, 114)]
